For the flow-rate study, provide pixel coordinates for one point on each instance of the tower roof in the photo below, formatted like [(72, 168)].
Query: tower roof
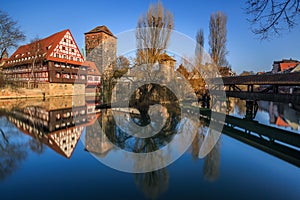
[(99, 29)]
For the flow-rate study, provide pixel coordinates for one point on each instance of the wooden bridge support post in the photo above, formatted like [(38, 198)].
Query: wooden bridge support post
[(250, 88), (275, 89), (251, 109)]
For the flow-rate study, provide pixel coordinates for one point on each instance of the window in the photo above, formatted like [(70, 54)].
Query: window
[(72, 50), (65, 40), (63, 48), (57, 116), (66, 76)]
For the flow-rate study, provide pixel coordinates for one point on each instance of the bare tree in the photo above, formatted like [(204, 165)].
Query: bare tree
[(35, 49), (270, 17), (10, 33), (122, 62), (200, 46), (218, 38), (153, 33)]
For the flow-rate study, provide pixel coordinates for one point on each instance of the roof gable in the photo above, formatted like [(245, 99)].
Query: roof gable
[(65, 50), (44, 48)]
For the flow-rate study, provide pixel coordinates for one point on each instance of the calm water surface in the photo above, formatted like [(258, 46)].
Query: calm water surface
[(47, 164)]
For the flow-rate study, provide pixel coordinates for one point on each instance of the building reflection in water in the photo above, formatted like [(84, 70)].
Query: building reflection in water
[(284, 115), (280, 114), (111, 138), (57, 123)]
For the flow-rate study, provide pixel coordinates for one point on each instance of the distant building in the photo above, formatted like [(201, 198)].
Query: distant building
[(284, 65), (93, 74), (296, 69), (168, 64), (4, 58), (225, 71), (53, 64)]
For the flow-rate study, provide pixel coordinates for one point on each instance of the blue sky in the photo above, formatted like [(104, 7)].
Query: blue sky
[(246, 51)]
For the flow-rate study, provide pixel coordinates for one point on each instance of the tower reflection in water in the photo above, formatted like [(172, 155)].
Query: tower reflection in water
[(112, 138), (59, 123)]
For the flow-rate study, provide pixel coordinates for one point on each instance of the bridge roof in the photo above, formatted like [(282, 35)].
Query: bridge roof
[(264, 79)]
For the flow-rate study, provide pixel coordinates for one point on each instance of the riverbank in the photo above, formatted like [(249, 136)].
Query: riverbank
[(20, 93), (35, 93)]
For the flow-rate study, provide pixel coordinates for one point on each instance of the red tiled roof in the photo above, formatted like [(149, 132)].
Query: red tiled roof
[(165, 57), (92, 69), (285, 66), (101, 29), (45, 46)]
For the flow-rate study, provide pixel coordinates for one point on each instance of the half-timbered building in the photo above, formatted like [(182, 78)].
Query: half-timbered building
[(53, 64)]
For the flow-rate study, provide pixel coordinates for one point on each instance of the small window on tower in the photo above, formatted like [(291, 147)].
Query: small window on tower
[(63, 48), (72, 50), (65, 40)]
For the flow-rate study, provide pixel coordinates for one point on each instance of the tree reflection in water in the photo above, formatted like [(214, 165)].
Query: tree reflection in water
[(212, 159), (158, 112), (152, 183), (212, 163), (12, 151)]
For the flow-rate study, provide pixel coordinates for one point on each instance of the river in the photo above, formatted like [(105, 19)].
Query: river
[(53, 149)]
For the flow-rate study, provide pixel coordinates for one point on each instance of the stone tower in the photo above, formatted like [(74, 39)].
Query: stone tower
[(101, 47)]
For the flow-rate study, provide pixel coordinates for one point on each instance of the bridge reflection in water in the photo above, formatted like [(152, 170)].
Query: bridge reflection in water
[(59, 124), (61, 127)]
